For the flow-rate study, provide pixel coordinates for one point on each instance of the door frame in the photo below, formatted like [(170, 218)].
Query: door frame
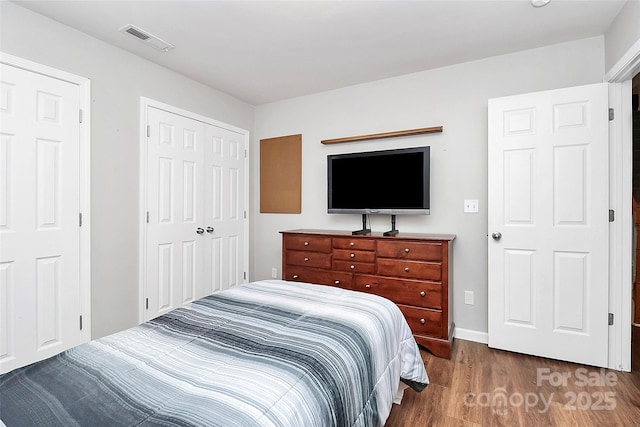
[(84, 85), (145, 103), (620, 184)]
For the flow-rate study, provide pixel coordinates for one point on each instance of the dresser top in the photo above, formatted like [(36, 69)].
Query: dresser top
[(377, 235)]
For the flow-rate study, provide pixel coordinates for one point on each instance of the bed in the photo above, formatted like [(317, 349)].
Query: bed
[(267, 353)]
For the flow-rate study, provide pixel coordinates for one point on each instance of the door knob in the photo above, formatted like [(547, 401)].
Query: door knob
[(199, 230), (210, 229), (496, 235)]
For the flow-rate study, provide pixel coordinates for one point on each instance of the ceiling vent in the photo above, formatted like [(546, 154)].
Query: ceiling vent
[(147, 38)]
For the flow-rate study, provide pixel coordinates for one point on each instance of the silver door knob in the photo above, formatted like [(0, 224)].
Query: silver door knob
[(496, 235), (210, 229), (199, 230)]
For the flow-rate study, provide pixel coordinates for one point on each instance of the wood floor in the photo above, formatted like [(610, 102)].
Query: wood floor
[(480, 386)]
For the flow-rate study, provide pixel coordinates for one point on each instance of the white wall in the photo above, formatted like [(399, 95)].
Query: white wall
[(118, 79), (623, 33), (454, 97)]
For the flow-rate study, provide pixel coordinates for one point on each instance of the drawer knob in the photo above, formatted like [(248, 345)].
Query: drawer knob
[(351, 244), (352, 255), (295, 276), (306, 259), (422, 321), (406, 250), (353, 267), (337, 282), (422, 293), (306, 243), (406, 269), (368, 286)]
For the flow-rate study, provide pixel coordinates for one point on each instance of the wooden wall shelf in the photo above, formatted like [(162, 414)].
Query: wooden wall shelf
[(435, 129)]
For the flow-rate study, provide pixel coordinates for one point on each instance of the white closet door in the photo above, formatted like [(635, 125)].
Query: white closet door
[(549, 222), (224, 208), (195, 187), (40, 303), (175, 237)]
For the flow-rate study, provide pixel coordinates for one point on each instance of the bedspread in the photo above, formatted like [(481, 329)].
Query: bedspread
[(268, 353)]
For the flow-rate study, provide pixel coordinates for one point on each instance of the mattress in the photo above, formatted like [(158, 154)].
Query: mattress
[(267, 353)]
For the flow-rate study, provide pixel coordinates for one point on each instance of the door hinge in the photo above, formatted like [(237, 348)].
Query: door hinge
[(245, 214), (244, 274), (610, 319), (80, 322), (611, 114), (80, 116), (148, 131), (147, 217), (612, 215), (147, 304), (245, 153), (80, 219)]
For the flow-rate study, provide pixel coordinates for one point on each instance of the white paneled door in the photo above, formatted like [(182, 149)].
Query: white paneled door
[(548, 224), (195, 228), (40, 275), (224, 208), (176, 206)]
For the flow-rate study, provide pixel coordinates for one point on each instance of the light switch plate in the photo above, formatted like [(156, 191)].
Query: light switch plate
[(471, 206), (468, 297)]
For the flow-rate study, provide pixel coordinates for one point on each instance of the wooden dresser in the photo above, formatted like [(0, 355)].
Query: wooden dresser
[(412, 270)]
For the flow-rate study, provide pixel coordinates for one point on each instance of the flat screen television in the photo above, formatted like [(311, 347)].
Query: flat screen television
[(379, 182)]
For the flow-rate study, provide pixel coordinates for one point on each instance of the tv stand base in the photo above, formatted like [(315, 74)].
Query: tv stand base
[(364, 230), (393, 230)]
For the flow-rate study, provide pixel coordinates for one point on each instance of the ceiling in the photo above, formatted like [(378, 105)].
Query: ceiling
[(264, 51)]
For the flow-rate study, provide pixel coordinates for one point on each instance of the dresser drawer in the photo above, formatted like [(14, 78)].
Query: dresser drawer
[(355, 267), (410, 292), (308, 243), (356, 244), (321, 277), (410, 250), (422, 321), (359, 256), (410, 269), (308, 259)]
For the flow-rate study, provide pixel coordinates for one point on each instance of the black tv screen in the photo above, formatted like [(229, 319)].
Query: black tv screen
[(379, 182)]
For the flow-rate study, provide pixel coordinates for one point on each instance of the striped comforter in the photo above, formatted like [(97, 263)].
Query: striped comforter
[(268, 353)]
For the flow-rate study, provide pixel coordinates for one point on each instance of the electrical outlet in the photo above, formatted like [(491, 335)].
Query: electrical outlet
[(274, 273), (471, 206), (468, 297)]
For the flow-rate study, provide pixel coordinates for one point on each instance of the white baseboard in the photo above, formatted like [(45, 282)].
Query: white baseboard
[(471, 335)]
